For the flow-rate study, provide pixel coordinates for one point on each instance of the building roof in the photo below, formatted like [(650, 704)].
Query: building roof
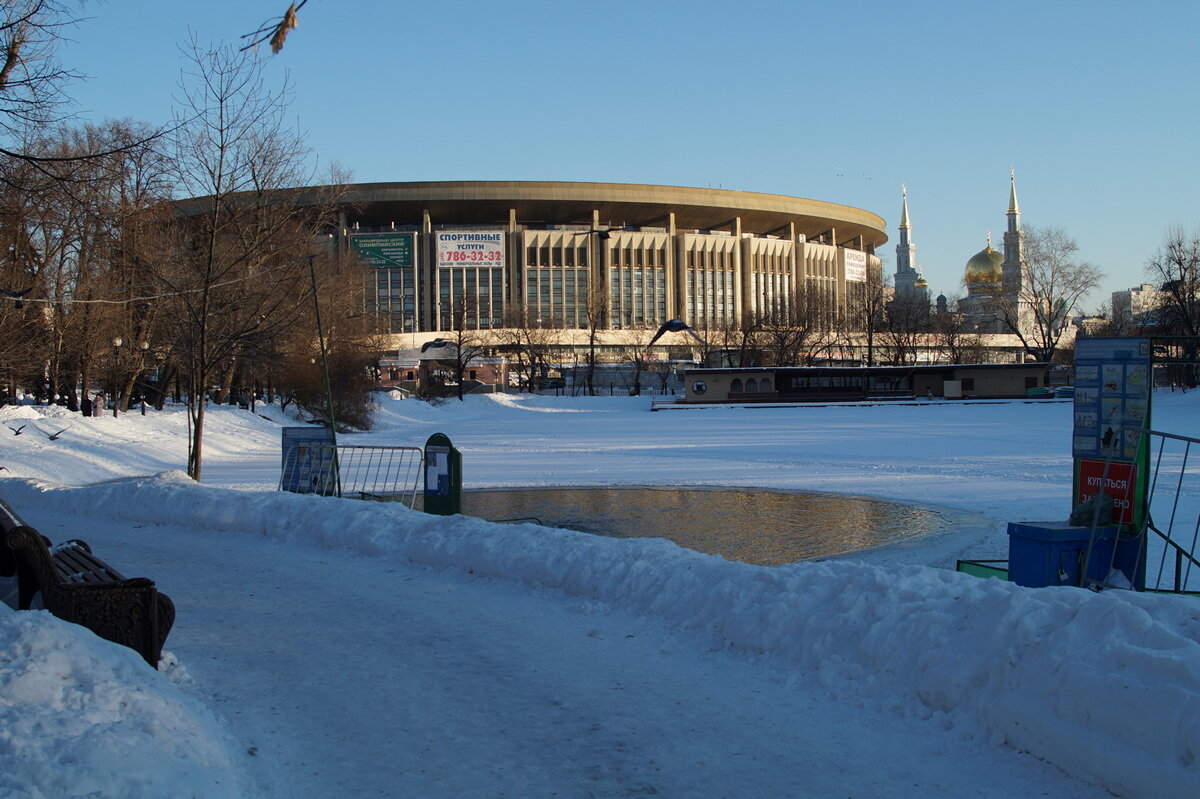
[(571, 203), (832, 371)]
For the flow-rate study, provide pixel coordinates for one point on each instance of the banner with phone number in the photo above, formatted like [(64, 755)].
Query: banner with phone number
[(477, 249)]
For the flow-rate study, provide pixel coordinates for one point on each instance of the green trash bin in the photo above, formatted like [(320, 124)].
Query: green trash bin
[(443, 477)]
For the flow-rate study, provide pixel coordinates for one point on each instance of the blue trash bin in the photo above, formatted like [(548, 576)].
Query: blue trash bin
[(1052, 553)]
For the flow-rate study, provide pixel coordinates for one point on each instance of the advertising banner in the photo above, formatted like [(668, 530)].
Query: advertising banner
[(856, 266), (385, 250), (481, 249)]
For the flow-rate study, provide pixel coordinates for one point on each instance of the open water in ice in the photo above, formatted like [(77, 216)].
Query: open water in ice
[(761, 527)]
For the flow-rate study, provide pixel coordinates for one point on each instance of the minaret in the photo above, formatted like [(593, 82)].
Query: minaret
[(906, 254), (1014, 266)]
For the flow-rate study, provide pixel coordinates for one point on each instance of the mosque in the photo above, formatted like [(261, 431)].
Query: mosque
[(997, 284)]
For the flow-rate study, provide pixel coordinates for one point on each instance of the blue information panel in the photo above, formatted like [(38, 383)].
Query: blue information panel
[(1112, 397), (1113, 384), (308, 462)]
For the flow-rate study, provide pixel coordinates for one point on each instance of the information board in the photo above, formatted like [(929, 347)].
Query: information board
[(1113, 383), (1112, 397), (308, 460), (443, 477)]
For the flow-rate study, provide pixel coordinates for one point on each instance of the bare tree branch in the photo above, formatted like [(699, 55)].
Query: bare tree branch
[(1054, 284), (275, 30)]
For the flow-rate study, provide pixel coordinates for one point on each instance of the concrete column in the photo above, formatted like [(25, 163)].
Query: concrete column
[(598, 285), (427, 300), (741, 281), (515, 261), (746, 257), (674, 281), (794, 261)]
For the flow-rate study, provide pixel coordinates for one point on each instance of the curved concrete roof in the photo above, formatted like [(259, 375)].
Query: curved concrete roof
[(563, 203)]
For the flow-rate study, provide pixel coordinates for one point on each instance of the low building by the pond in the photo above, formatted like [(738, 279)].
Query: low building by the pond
[(433, 369), (847, 383)]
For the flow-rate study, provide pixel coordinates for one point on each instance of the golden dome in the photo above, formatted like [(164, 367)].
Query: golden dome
[(984, 267)]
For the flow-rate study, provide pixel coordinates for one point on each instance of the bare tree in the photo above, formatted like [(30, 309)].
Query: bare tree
[(866, 311), (596, 311), (25, 273), (23, 328), (468, 340), (121, 193), (62, 224), (33, 82), (529, 341), (637, 351), (1055, 282), (745, 337), (293, 363), (709, 343), (237, 260), (1176, 269), (906, 325), (1119, 321), (954, 342), (800, 330), (31, 79)]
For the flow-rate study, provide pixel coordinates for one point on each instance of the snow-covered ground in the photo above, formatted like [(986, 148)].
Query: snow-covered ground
[(328, 647)]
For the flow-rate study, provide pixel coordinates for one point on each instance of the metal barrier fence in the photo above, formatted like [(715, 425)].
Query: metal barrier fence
[(381, 473), (1173, 514)]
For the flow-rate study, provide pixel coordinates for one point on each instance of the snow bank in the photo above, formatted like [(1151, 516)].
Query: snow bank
[(80, 716), (1106, 686), (87, 449)]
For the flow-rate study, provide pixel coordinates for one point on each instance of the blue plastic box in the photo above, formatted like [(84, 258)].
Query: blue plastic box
[(1052, 553)]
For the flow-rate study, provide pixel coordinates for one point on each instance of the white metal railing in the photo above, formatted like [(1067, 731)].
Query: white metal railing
[(382, 473)]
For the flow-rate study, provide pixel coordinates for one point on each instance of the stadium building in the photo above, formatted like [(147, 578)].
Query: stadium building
[(452, 255)]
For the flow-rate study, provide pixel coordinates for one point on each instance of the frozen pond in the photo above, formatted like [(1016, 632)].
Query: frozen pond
[(761, 527)]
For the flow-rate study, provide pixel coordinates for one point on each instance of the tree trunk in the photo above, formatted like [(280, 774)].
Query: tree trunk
[(226, 384), (127, 390), (85, 378), (197, 403)]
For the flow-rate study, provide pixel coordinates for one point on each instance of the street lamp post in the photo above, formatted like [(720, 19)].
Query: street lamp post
[(143, 346), (116, 393)]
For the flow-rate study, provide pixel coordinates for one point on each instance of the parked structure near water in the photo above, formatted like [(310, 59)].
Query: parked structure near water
[(844, 383)]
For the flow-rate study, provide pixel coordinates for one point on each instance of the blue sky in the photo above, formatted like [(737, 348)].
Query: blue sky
[(1093, 103)]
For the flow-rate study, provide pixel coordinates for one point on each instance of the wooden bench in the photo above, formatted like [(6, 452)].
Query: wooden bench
[(78, 587)]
